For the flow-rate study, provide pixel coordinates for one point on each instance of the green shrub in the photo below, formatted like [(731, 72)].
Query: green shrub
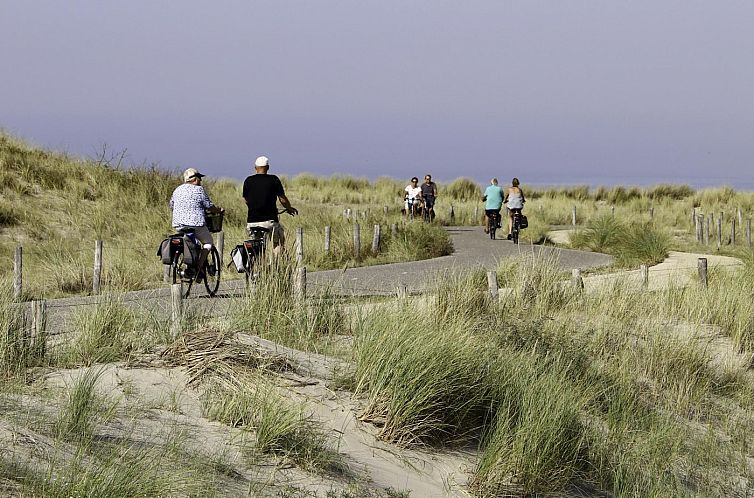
[(462, 189)]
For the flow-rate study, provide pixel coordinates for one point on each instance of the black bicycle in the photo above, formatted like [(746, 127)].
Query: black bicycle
[(191, 262), (493, 222), (516, 225), (254, 247)]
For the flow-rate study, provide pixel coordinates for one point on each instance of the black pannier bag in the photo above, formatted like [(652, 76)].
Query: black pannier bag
[(168, 247), (524, 223), (191, 250)]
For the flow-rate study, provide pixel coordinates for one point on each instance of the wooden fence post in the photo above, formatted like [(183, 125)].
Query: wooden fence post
[(327, 240), (733, 231), (394, 230), (699, 229), (356, 241), (299, 246), (402, 291), (18, 273), (37, 339), (97, 279), (706, 231), (652, 213), (576, 280), (573, 216), (376, 239), (748, 232), (720, 231), (221, 246), (644, 276), (740, 216), (176, 309), (452, 215), (385, 210), (299, 284), (492, 285), (476, 215), (702, 266)]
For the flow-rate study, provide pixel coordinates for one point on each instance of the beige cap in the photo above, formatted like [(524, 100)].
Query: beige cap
[(261, 161), (190, 174)]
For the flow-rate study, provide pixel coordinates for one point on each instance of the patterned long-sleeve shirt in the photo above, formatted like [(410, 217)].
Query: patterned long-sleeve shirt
[(188, 204)]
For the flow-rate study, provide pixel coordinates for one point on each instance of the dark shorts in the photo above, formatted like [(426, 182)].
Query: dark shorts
[(514, 210), (429, 201), (489, 212)]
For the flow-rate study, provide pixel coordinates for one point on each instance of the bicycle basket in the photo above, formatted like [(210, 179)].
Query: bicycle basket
[(214, 221)]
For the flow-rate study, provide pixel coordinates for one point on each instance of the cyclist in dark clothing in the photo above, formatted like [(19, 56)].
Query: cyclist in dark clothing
[(261, 193), (429, 194)]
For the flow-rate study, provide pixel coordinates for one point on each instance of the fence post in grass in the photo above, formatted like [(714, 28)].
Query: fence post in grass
[(384, 210), (706, 231), (644, 276), (18, 272), (376, 239), (37, 339), (576, 280), (748, 232), (693, 216), (720, 231), (698, 229), (733, 231), (573, 216), (476, 214), (702, 265), (299, 246), (327, 240), (452, 215), (402, 291), (299, 284), (394, 230), (220, 246), (96, 280), (176, 309), (612, 211), (740, 216), (492, 285), (356, 241), (652, 213)]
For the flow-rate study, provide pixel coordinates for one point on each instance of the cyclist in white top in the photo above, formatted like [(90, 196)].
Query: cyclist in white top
[(189, 203), (514, 200), (412, 195)]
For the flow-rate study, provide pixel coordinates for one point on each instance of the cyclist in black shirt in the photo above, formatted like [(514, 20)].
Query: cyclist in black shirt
[(261, 193), (429, 194)]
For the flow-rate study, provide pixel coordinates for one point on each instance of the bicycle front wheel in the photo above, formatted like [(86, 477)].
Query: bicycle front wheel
[(212, 272)]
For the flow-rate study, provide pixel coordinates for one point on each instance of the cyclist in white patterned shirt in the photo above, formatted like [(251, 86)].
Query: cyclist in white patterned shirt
[(189, 203)]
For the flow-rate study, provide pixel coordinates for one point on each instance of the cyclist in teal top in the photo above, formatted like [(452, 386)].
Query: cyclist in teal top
[(493, 202)]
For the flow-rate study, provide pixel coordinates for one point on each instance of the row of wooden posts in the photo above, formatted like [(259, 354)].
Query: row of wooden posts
[(577, 281), (703, 223)]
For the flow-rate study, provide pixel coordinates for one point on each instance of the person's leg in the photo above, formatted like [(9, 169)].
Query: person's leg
[(278, 239), (204, 235), (510, 222)]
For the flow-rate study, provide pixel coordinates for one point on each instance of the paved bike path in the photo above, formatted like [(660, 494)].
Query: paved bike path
[(472, 249)]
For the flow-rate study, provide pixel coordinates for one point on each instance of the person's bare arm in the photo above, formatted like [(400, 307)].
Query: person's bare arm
[(287, 205)]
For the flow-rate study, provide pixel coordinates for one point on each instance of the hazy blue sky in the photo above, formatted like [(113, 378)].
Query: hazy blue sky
[(551, 91)]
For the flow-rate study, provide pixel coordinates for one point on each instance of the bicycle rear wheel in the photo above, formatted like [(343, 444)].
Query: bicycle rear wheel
[(212, 272), (492, 226), (178, 277)]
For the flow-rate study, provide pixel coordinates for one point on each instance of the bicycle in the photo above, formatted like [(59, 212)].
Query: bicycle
[(192, 262), (493, 222), (254, 249), (414, 207), (515, 225), (428, 211)]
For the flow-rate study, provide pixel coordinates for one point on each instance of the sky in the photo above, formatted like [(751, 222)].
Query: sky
[(569, 91)]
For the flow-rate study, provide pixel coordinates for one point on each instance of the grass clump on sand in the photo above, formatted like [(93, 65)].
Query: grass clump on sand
[(561, 390), (630, 243)]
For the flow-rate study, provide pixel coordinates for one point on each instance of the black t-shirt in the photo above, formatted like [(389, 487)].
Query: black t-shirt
[(261, 193), (428, 189)]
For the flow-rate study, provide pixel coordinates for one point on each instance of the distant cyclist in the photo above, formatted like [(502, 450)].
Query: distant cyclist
[(261, 193), (429, 195), (493, 202), (411, 195), (514, 200), (189, 203)]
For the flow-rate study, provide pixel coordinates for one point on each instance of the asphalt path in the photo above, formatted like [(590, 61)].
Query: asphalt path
[(472, 249)]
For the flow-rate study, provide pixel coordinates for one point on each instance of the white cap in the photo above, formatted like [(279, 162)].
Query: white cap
[(190, 174), (261, 161)]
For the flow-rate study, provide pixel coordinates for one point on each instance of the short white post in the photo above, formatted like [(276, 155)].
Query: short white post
[(702, 266), (644, 276), (492, 285), (402, 291), (37, 339), (299, 284), (220, 246), (573, 216), (327, 240), (97, 279), (576, 280)]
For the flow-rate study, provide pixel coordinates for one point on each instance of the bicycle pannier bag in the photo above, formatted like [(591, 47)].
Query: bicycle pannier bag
[(238, 258), (524, 223), (190, 251), (164, 252)]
